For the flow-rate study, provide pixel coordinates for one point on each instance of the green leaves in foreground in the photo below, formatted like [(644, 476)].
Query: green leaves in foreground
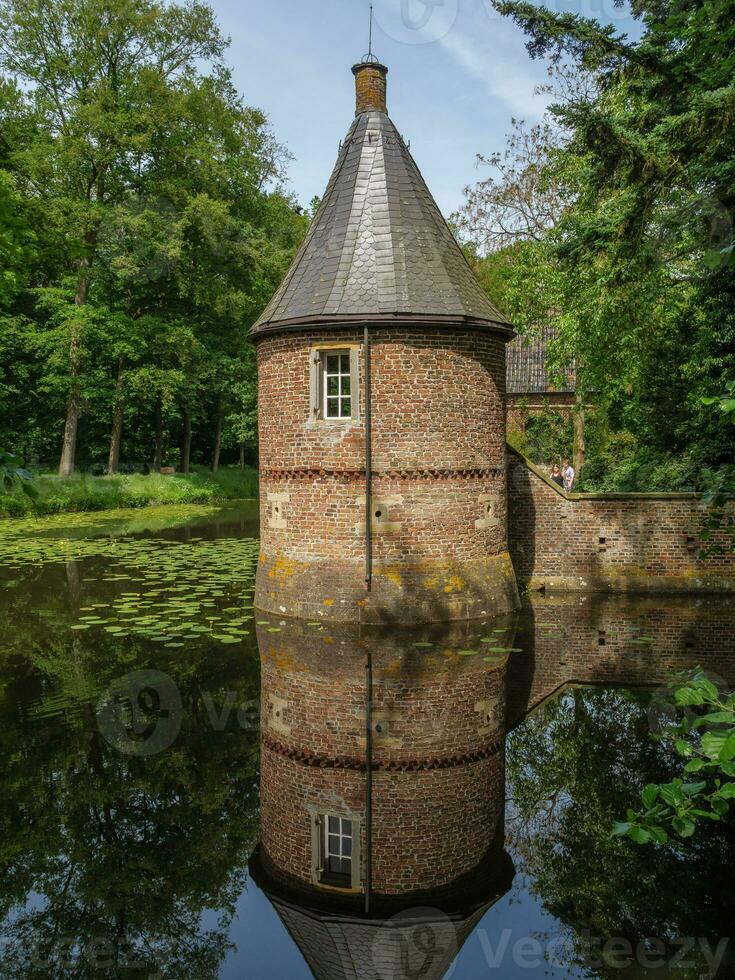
[(704, 734), (14, 476)]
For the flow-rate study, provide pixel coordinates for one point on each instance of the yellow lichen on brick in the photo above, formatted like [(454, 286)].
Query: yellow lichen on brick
[(455, 584)]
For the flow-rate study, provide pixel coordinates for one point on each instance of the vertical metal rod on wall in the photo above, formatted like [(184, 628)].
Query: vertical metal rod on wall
[(368, 780), (368, 467)]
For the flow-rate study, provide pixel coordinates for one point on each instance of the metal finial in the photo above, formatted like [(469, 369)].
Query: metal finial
[(370, 58)]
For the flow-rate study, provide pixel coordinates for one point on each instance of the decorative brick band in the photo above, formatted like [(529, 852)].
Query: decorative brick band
[(354, 763), (350, 475)]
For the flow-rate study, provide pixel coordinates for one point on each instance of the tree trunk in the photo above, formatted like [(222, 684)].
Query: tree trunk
[(118, 413), (158, 459), (74, 406), (186, 444), (217, 437), (242, 455), (73, 411), (74, 584), (579, 448)]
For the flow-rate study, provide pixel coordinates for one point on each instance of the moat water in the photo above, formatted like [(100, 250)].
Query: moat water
[(130, 805)]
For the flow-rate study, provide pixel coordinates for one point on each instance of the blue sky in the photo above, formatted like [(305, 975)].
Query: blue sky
[(458, 74)]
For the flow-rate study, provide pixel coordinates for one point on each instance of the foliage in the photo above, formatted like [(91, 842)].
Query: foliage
[(547, 437), (724, 403), (720, 486), (704, 735), (582, 757), (13, 475), (92, 839), (634, 266), (93, 493), (161, 228)]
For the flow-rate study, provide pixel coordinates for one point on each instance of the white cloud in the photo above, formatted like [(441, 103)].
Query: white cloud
[(500, 75)]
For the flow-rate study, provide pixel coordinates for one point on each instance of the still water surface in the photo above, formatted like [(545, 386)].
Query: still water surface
[(144, 701)]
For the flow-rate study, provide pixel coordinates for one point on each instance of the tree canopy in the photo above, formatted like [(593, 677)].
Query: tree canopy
[(143, 226), (621, 212)]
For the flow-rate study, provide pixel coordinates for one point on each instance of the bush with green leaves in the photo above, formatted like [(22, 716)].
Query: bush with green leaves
[(14, 476), (703, 733), (55, 495), (720, 486)]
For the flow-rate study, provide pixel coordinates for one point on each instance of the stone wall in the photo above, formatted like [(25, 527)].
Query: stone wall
[(634, 542), (438, 480)]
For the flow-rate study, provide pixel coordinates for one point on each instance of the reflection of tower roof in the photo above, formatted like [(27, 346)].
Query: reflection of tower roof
[(348, 945), (378, 246)]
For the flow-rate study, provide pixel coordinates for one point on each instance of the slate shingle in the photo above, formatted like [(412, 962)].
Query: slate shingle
[(378, 243), (526, 372)]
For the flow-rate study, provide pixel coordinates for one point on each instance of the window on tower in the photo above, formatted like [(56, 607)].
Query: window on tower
[(334, 384), (336, 850)]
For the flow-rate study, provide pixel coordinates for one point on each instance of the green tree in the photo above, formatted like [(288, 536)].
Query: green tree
[(570, 767), (156, 188), (634, 267)]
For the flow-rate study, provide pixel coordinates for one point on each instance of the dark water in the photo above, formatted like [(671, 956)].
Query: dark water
[(143, 697)]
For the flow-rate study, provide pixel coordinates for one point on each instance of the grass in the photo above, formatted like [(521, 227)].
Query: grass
[(82, 492)]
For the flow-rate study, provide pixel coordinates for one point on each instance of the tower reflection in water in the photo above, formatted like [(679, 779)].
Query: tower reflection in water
[(382, 795)]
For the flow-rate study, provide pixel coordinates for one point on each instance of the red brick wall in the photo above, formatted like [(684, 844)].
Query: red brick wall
[(428, 829), (438, 451), (438, 758), (438, 402), (595, 639), (370, 88), (617, 542)]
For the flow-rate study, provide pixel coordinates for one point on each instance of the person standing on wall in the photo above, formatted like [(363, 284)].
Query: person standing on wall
[(568, 475)]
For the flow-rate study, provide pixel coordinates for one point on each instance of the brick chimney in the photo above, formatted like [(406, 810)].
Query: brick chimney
[(370, 86)]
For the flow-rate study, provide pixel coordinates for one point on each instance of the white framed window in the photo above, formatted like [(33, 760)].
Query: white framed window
[(334, 384), (336, 846)]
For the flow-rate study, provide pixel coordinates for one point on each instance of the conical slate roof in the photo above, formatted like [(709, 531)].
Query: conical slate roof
[(378, 248)]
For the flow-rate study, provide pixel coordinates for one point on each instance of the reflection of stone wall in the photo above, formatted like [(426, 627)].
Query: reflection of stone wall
[(596, 639), (438, 726), (438, 458), (609, 542)]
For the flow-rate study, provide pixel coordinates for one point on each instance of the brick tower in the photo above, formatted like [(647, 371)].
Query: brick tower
[(381, 366), (363, 837)]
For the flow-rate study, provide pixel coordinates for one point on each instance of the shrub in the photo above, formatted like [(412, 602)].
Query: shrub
[(83, 492)]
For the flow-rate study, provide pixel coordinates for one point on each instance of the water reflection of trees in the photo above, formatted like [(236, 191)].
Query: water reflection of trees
[(579, 759), (110, 862)]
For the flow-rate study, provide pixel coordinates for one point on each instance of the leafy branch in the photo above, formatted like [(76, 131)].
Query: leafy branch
[(704, 734), (13, 475)]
